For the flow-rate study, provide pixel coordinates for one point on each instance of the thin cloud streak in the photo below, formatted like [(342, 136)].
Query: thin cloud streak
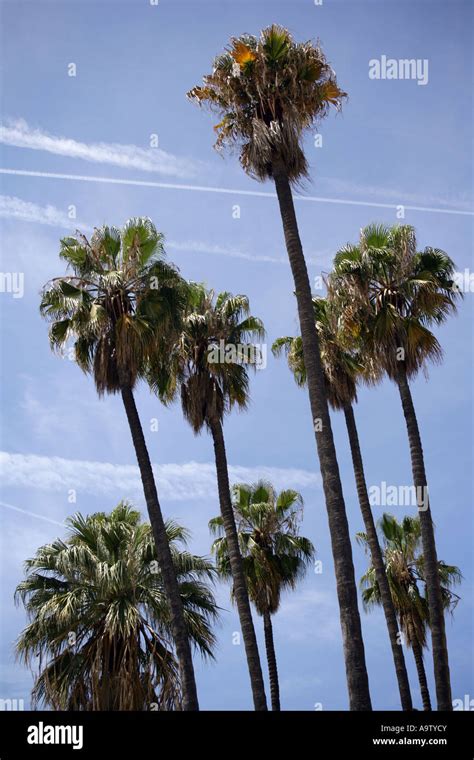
[(196, 246), (399, 196), (19, 134), (31, 514), (12, 207), (176, 482)]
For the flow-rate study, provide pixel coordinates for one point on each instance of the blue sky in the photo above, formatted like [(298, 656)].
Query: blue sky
[(396, 142)]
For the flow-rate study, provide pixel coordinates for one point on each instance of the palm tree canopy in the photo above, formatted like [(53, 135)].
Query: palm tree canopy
[(119, 301), (267, 91), (275, 556), (209, 361), (100, 622), (391, 295), (342, 366), (404, 567)]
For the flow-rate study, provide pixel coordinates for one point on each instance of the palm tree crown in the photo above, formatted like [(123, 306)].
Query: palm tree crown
[(404, 570), (118, 302), (342, 365), (209, 361), (393, 294), (404, 567), (100, 622), (267, 92), (275, 556)]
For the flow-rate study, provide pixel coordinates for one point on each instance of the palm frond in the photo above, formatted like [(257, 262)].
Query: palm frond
[(103, 584)]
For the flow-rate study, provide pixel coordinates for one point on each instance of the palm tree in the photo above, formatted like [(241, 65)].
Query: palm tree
[(99, 617), (405, 570), (208, 366), (118, 303), (342, 368), (268, 92), (395, 294), (274, 555)]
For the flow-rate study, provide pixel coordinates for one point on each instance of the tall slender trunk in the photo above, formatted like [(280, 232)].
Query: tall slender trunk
[(378, 561), (420, 669), (354, 655), (165, 560), (430, 559), (237, 569), (271, 660)]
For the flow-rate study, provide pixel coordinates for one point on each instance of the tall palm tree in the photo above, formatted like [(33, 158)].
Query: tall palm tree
[(118, 303), (208, 365), (342, 368), (405, 570), (274, 555), (100, 620), (268, 92), (396, 294)]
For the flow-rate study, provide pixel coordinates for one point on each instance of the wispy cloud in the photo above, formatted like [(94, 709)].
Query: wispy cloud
[(12, 207), (197, 246), (400, 197), (176, 482), (18, 133), (49, 416)]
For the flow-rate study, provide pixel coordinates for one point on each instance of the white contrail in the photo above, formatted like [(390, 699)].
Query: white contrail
[(31, 514), (227, 191)]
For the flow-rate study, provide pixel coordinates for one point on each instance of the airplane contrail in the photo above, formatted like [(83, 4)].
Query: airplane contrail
[(226, 190), (31, 514)]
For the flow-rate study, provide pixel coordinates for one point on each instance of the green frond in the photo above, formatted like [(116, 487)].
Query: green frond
[(387, 296), (275, 557), (404, 568), (342, 365), (267, 91), (122, 306), (208, 359), (75, 251), (104, 585)]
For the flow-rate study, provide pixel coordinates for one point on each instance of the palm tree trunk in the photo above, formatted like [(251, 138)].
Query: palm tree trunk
[(420, 669), (237, 569), (354, 655), (272, 663), (430, 559), (165, 560), (378, 561)]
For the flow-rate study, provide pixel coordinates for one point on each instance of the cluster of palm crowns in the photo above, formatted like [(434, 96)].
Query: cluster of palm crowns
[(133, 318)]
